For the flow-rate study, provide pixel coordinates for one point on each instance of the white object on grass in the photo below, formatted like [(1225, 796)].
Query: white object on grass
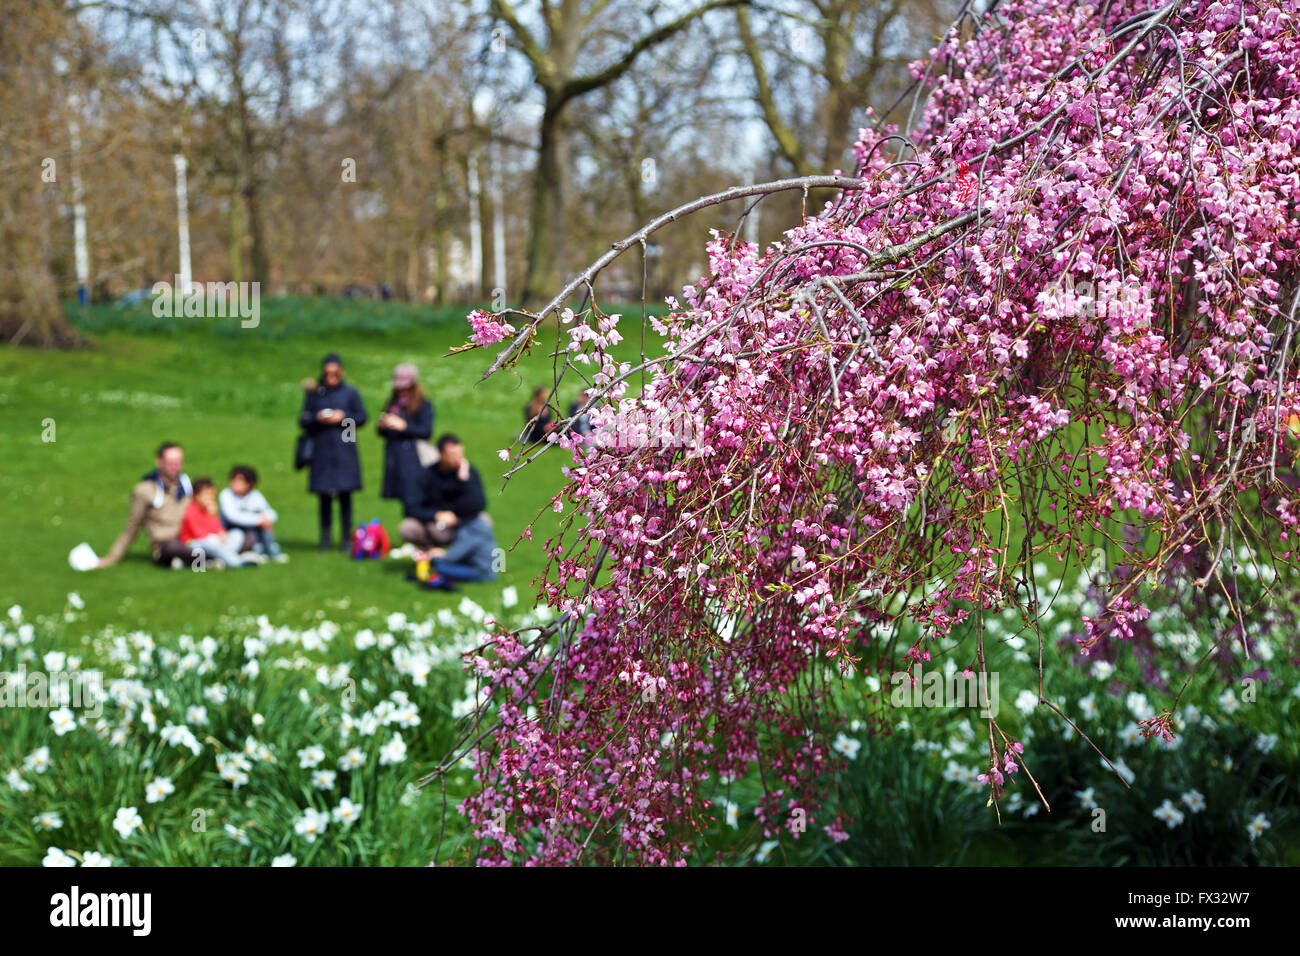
[(82, 557)]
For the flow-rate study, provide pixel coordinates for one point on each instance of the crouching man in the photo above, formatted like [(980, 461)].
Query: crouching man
[(158, 505), (448, 524)]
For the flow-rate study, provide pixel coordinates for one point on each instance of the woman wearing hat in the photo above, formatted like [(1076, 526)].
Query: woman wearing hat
[(332, 412), (406, 425)]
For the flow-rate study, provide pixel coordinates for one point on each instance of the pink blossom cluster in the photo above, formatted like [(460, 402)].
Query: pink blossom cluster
[(1117, 621), (1161, 724), (897, 421), (1001, 767), (487, 329)]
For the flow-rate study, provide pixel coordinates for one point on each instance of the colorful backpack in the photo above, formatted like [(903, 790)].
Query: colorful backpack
[(370, 541)]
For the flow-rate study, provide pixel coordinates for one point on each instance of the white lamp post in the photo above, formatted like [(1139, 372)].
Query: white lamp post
[(183, 276)]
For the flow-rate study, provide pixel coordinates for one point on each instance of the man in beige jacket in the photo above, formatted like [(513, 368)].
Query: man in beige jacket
[(158, 504)]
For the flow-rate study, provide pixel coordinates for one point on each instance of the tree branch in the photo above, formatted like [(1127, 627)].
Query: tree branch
[(618, 248)]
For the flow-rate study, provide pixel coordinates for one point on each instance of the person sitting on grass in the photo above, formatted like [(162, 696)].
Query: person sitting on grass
[(581, 423), (538, 422), (158, 504), (448, 523), (201, 528), (248, 519)]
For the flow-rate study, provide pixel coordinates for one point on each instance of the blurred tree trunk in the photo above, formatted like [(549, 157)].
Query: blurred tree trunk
[(550, 186), (440, 225), (30, 310), (32, 117), (786, 141), (259, 260), (249, 156), (236, 239), (839, 103), (413, 247)]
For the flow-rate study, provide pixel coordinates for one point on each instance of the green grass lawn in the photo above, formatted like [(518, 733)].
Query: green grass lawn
[(231, 395)]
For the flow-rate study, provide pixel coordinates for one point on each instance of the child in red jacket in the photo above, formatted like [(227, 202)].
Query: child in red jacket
[(201, 527)]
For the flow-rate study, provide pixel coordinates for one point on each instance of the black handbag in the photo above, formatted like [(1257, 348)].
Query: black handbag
[(303, 452)]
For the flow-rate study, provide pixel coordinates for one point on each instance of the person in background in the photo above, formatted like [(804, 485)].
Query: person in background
[(248, 518), (158, 504), (201, 527), (332, 411), (406, 421), (537, 417), (450, 512), (582, 423)]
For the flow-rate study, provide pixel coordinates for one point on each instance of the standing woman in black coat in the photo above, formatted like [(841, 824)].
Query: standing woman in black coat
[(407, 420), (331, 413)]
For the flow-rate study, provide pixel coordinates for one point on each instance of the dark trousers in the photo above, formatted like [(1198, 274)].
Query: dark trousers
[(248, 538), (174, 548), (327, 515), (459, 571)]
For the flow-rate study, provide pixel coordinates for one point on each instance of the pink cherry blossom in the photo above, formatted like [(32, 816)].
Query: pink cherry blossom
[(1086, 335)]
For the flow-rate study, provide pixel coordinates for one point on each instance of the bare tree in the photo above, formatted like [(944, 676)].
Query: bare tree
[(245, 61), (832, 58), (572, 34), (647, 142)]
